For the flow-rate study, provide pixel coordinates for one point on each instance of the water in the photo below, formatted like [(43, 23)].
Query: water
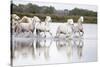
[(30, 51)]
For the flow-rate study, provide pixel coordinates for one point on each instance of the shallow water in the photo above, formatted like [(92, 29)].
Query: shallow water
[(33, 51)]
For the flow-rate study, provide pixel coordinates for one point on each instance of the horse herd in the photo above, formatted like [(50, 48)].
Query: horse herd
[(34, 24)]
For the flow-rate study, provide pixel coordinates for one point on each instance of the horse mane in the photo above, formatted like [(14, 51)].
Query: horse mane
[(24, 19), (36, 18)]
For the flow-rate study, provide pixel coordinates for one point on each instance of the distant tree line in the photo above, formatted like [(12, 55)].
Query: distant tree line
[(57, 15), (32, 8), (82, 12)]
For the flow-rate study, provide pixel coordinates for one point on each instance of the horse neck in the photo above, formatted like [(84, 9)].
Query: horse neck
[(34, 23), (79, 23)]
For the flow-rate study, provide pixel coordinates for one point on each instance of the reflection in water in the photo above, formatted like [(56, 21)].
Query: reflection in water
[(34, 48), (80, 45), (23, 49), (41, 51), (68, 45), (65, 46), (41, 48)]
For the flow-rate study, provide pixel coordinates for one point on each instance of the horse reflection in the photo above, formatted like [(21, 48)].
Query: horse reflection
[(79, 45), (42, 48), (67, 47), (36, 49), (23, 49)]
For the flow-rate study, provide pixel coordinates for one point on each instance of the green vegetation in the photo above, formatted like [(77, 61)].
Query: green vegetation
[(31, 10), (83, 12)]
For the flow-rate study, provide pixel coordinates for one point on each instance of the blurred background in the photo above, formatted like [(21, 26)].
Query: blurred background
[(58, 12)]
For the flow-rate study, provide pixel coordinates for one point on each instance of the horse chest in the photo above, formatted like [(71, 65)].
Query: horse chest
[(66, 29)]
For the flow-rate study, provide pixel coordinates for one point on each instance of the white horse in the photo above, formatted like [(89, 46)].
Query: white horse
[(43, 26), (78, 27), (65, 29), (27, 24), (14, 21)]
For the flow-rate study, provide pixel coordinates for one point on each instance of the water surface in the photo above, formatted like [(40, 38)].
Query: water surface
[(30, 51)]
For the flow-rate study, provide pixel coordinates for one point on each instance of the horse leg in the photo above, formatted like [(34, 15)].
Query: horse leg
[(75, 33), (17, 30), (50, 33), (70, 35), (79, 33), (82, 33), (67, 35), (45, 34), (31, 32), (37, 32), (57, 34)]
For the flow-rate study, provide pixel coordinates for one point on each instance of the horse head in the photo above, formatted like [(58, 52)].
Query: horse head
[(81, 19), (70, 21), (48, 19), (15, 17)]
